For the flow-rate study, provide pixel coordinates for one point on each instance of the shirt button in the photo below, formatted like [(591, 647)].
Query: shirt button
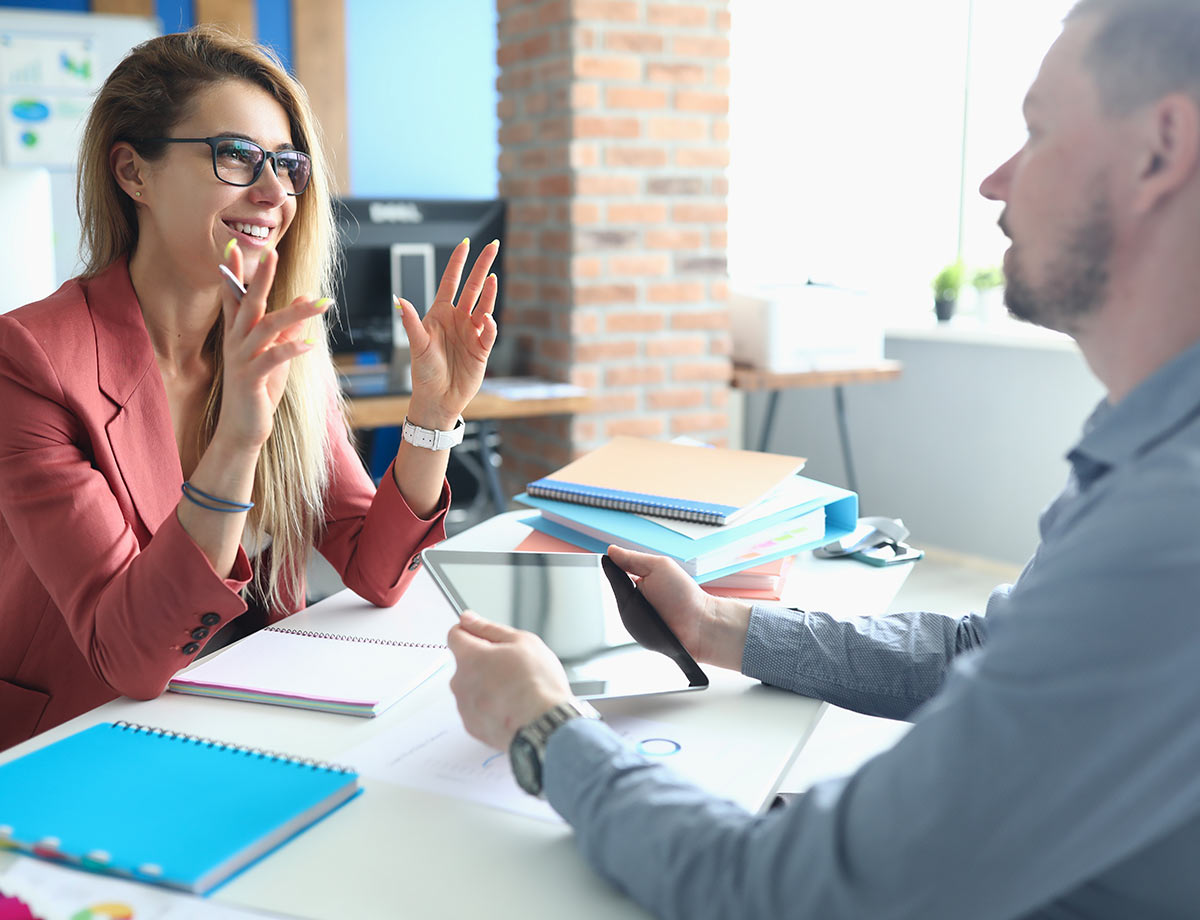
[(210, 619), (414, 564), (200, 632), (191, 648)]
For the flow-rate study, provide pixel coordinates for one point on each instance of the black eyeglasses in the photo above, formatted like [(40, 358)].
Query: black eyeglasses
[(237, 161)]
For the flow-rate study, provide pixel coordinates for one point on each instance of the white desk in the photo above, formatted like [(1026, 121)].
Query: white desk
[(396, 852)]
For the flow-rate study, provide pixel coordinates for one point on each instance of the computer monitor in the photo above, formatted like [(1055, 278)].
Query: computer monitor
[(401, 246)]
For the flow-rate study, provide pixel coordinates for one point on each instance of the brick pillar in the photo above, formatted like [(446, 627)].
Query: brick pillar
[(614, 145)]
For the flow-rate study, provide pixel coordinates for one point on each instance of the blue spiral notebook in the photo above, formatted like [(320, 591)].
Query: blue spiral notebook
[(159, 806)]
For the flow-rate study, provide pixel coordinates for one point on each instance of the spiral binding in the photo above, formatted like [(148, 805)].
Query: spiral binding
[(641, 506), (367, 639), (237, 748)]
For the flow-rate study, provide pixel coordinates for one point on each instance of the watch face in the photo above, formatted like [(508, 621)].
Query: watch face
[(526, 764)]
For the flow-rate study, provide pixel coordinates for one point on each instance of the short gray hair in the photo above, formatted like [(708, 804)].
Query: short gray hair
[(1143, 50)]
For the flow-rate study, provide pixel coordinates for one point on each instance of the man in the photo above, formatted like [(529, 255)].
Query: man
[(1053, 767)]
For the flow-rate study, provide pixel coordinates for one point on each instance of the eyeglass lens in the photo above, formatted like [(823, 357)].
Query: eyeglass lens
[(240, 162)]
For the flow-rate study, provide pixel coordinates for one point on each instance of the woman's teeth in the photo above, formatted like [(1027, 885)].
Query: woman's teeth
[(259, 233)]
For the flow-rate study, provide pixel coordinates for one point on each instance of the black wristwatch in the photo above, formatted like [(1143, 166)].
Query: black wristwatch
[(528, 748)]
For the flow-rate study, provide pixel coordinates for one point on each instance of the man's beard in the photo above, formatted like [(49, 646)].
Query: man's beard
[(1076, 281)]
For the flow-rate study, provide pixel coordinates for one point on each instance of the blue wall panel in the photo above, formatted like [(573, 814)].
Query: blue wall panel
[(421, 82)]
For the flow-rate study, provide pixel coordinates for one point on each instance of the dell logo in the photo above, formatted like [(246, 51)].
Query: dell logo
[(394, 212)]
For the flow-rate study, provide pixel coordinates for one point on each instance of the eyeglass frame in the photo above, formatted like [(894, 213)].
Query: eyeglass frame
[(267, 155)]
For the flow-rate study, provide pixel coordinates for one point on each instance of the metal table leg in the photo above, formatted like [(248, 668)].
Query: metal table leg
[(490, 462), (839, 406), (768, 421)]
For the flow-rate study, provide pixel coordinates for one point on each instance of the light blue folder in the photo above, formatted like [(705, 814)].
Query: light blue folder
[(171, 809), (841, 517)]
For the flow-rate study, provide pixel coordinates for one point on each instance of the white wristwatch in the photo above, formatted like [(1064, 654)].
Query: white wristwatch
[(432, 438)]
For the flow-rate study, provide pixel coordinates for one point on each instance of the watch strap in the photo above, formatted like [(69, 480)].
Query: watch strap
[(433, 438)]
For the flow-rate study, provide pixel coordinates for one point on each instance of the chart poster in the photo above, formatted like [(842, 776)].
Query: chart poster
[(46, 87)]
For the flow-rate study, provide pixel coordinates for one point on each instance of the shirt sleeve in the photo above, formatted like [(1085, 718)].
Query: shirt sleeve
[(881, 666), (1063, 749), (371, 536)]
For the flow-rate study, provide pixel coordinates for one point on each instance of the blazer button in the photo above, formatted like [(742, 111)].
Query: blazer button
[(210, 619), (414, 564), (191, 648), (200, 632)]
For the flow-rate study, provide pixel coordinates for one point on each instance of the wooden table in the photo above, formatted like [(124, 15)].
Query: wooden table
[(751, 379)]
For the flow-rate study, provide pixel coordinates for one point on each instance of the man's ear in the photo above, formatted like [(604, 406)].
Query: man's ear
[(128, 169), (1170, 135)]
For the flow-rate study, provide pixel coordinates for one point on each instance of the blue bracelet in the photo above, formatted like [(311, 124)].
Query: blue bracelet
[(217, 504)]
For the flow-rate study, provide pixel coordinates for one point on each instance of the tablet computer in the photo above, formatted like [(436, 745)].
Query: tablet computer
[(609, 638)]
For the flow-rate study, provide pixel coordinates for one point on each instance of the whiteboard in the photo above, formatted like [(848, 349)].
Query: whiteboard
[(51, 65)]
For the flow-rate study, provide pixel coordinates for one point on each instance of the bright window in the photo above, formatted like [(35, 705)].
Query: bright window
[(847, 136)]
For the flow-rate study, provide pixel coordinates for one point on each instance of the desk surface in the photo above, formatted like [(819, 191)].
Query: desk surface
[(753, 378), (396, 851)]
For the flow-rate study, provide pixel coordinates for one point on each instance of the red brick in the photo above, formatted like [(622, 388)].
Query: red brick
[(554, 12), (674, 185), (676, 346), (634, 322), (642, 157), (634, 97), (584, 212), (721, 20), (555, 241), (694, 371), (583, 430), (654, 266), (720, 130), (554, 293), (557, 349), (631, 375), (582, 267), (691, 398), (700, 213), (721, 345), (583, 322), (506, 107), (702, 157), (693, 101), (675, 73), (594, 294), (720, 186), (707, 319), (591, 126), (718, 397), (586, 377), (651, 213), (593, 352), (534, 160), (615, 67), (685, 423), (556, 186), (674, 239), (607, 403), (604, 240), (605, 185), (678, 129), (696, 46), (636, 42), (676, 292), (515, 133), (720, 75), (719, 291), (701, 265), (605, 10), (554, 129), (584, 96), (634, 427), (675, 14)]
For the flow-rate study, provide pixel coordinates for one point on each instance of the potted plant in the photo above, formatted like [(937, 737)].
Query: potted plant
[(989, 285), (946, 286)]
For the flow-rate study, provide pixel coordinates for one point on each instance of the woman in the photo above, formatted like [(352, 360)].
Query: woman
[(122, 559)]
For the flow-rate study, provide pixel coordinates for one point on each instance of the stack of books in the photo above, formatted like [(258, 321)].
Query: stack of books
[(717, 512)]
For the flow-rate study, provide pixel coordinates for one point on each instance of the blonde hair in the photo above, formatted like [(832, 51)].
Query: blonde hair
[(147, 94)]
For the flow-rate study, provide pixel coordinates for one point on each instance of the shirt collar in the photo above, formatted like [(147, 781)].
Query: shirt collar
[(1153, 409)]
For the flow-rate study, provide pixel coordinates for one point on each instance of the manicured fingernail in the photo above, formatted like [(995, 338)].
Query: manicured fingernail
[(266, 252), (492, 276), (310, 341), (397, 303), (495, 243), (467, 240), (324, 303), (229, 247)]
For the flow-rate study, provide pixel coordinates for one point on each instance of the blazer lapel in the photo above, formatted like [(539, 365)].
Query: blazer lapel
[(140, 435)]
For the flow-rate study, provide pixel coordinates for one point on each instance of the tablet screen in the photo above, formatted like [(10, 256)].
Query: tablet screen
[(568, 600)]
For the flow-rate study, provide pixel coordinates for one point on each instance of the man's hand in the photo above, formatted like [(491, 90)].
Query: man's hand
[(712, 629), (505, 679)]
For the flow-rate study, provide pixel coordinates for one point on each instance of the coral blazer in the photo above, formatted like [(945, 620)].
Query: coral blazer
[(102, 592)]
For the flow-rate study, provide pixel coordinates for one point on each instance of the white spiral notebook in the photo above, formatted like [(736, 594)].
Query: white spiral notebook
[(332, 672)]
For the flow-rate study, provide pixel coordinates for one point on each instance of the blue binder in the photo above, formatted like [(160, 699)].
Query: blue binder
[(161, 807)]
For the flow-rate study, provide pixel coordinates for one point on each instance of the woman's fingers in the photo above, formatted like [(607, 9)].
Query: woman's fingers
[(477, 279), (453, 273), (268, 329), (259, 287), (230, 297), (265, 362)]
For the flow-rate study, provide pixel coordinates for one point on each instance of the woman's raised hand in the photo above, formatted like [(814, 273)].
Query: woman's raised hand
[(259, 348), (450, 346)]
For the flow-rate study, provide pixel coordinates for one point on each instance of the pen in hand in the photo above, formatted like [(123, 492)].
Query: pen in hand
[(239, 289)]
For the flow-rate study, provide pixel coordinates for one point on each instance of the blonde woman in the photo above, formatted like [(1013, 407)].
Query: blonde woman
[(171, 450)]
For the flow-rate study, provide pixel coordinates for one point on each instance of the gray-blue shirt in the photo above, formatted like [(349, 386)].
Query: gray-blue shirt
[(1053, 766)]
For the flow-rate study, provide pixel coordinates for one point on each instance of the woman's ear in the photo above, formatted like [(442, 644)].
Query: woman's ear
[(128, 169)]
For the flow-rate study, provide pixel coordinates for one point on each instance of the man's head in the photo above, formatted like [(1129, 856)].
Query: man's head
[(1111, 157)]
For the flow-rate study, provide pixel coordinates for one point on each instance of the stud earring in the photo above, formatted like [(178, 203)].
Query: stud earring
[(137, 194)]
